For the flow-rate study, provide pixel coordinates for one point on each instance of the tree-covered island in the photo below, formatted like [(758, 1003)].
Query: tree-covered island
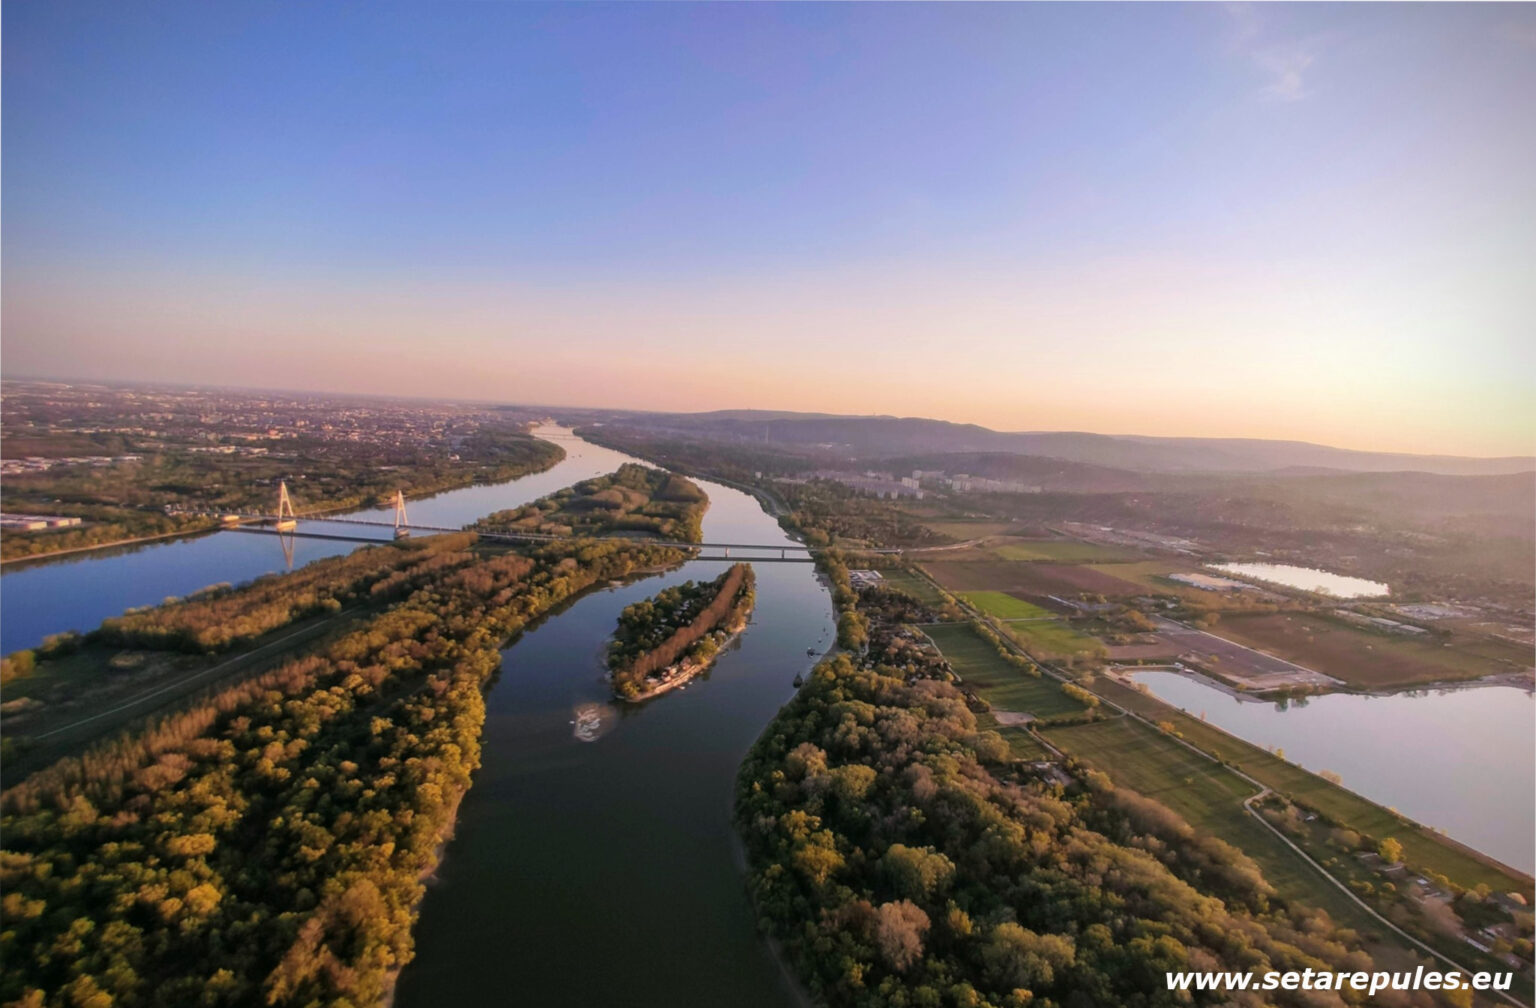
[(667, 639), (633, 499)]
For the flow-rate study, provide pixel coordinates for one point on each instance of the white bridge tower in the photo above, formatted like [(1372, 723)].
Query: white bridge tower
[(287, 519), (402, 524)]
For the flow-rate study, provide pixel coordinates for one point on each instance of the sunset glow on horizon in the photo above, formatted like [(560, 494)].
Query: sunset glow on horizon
[(1303, 222)]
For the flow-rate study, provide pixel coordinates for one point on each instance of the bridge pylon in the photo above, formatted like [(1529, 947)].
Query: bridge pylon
[(402, 525), (287, 518)]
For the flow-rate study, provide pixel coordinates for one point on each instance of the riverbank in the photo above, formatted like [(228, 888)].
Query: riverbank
[(212, 526), (333, 509), (537, 829), (686, 670), (1518, 680), (663, 641)]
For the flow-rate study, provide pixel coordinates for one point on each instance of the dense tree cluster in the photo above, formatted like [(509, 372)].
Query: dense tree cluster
[(220, 618), (827, 512), (267, 845), (887, 613), (105, 525), (687, 623), (635, 498), (900, 861)]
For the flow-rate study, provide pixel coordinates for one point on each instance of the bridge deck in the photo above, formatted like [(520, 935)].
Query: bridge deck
[(513, 535), (726, 555)]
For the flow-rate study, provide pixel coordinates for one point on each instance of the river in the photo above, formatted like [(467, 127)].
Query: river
[(605, 872), (78, 591), (601, 872)]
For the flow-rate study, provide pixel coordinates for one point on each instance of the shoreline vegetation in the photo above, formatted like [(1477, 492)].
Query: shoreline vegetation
[(115, 522), (268, 841), (128, 501), (664, 641), (634, 498)]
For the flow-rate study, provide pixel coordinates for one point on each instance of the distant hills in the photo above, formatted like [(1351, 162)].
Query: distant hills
[(874, 437)]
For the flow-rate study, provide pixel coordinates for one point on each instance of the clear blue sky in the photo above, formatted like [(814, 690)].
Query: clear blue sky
[(1295, 221)]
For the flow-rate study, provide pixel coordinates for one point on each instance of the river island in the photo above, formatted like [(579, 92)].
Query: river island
[(667, 639)]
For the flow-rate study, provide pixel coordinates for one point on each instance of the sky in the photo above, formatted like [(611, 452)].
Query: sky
[(1308, 221)]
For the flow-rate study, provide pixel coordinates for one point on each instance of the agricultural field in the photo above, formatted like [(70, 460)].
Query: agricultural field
[(1065, 551), (1029, 579), (1007, 607), (1039, 631), (1424, 849), (1366, 659), (999, 683), (963, 529)]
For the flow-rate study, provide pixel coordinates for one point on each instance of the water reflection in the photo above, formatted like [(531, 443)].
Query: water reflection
[(1306, 578), (1458, 760)]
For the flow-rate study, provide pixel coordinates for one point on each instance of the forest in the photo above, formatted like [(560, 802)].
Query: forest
[(222, 617), (678, 631), (633, 499), (901, 859), (267, 843)]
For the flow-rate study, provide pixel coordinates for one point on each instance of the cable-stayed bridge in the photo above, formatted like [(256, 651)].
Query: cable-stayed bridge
[(285, 521)]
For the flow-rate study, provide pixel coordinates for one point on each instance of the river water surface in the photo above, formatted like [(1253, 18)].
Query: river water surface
[(581, 873), (605, 873), (78, 591)]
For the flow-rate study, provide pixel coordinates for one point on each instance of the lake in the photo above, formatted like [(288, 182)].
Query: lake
[(1458, 760), (1306, 579)]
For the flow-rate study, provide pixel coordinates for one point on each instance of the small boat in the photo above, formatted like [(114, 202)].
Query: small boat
[(799, 681), (810, 650)]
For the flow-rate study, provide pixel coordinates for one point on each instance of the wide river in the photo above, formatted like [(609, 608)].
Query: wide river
[(606, 872), (581, 873)]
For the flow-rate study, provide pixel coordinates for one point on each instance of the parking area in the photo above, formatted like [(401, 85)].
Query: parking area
[(1241, 665)]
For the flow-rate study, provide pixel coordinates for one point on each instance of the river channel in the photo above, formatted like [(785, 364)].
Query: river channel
[(581, 872), (605, 872)]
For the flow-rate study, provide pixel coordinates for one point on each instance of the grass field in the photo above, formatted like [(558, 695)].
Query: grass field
[(1424, 849), (1004, 606), (1066, 551), (915, 585), (1366, 659), (1054, 640), (999, 683), (1208, 796), (1045, 634), (1021, 741), (963, 529)]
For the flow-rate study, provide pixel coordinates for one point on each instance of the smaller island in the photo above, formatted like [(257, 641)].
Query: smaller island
[(667, 639)]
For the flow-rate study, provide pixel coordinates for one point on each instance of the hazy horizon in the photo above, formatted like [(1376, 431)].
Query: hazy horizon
[(587, 406), (1308, 222)]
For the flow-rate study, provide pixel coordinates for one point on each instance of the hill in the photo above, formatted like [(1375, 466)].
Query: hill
[(885, 437)]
